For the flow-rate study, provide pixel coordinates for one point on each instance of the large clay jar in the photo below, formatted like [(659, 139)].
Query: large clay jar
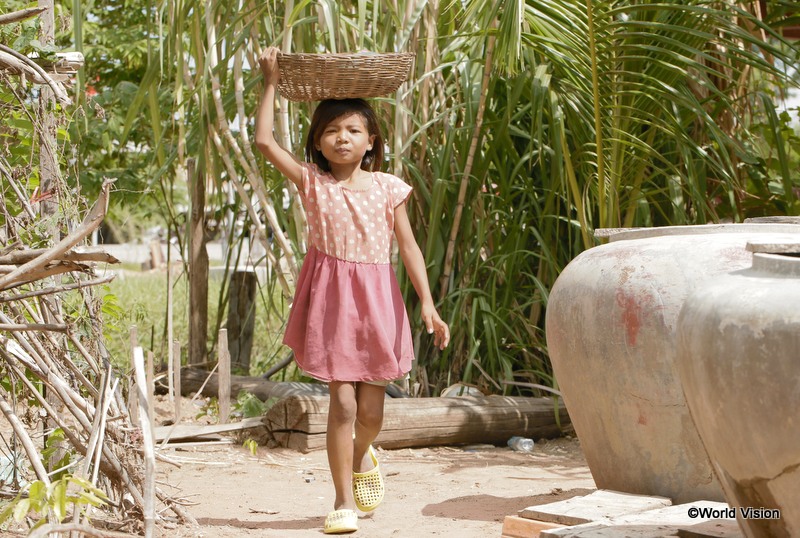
[(610, 330), (739, 360)]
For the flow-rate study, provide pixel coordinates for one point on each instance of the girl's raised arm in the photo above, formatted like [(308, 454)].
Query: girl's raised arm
[(282, 159)]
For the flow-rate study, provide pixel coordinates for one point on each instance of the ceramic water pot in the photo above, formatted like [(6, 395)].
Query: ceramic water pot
[(610, 328), (739, 361)]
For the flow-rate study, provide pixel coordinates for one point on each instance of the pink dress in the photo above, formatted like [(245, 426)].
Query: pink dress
[(348, 321)]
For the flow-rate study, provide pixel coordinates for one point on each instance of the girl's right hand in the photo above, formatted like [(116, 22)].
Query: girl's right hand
[(268, 61)]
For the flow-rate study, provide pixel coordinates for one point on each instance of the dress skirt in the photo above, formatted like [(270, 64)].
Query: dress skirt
[(348, 321)]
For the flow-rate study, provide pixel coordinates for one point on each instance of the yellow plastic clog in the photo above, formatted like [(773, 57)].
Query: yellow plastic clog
[(341, 521), (368, 488)]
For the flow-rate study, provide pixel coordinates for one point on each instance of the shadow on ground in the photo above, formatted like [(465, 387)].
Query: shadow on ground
[(491, 508)]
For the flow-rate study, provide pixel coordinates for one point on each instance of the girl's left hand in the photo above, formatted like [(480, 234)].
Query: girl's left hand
[(435, 326)]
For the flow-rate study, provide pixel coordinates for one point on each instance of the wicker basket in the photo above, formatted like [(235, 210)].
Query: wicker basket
[(314, 77)]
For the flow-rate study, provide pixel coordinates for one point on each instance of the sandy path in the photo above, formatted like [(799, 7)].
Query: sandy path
[(462, 492)]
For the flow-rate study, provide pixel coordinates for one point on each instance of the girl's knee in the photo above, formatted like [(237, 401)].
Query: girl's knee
[(370, 417), (342, 412)]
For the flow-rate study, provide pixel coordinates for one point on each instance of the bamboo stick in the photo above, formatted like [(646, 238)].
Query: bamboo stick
[(248, 165), (133, 393), (148, 494), (54, 327), (27, 443), (444, 283), (151, 390), (170, 338)]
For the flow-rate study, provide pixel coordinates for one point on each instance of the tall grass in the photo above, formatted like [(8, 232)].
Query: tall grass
[(139, 299)]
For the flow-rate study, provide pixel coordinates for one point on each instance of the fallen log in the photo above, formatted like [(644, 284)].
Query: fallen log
[(192, 380), (300, 422)]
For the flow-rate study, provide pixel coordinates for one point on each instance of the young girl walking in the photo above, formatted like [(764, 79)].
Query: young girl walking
[(348, 325)]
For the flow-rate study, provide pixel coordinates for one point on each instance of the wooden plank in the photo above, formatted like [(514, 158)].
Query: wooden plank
[(300, 422), (189, 431), (651, 524), (520, 527), (597, 505), (773, 248)]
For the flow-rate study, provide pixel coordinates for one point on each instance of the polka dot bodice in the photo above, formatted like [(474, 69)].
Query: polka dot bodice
[(349, 224)]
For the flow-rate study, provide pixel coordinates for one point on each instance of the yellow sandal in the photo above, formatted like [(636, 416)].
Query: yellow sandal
[(368, 488), (341, 521)]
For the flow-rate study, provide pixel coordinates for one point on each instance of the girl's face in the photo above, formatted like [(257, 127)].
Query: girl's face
[(345, 140)]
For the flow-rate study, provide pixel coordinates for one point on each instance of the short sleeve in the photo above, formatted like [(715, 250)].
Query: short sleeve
[(308, 179), (399, 190)]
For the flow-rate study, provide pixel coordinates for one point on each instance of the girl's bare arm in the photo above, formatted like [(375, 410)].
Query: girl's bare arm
[(415, 265), (282, 159)]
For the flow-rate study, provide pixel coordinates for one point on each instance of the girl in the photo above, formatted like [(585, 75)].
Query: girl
[(348, 325)]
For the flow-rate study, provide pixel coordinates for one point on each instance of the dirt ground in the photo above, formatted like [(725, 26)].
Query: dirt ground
[(463, 492)]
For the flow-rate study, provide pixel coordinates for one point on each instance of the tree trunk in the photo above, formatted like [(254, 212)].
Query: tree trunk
[(198, 269)]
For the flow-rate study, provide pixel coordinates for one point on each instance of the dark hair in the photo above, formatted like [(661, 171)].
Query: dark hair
[(331, 109)]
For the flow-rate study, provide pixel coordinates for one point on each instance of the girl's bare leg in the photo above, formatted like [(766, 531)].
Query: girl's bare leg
[(369, 420), (339, 441)]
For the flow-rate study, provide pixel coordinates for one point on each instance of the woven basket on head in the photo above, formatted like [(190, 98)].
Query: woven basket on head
[(314, 77)]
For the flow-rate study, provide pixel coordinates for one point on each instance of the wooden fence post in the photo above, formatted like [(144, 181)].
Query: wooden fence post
[(176, 381), (224, 397), (242, 318)]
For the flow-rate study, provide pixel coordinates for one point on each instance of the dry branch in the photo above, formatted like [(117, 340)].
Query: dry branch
[(55, 378), (81, 254), (89, 224), (21, 15), (34, 327), (21, 63), (57, 289)]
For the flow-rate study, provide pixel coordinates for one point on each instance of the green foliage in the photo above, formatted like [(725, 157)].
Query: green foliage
[(55, 456), (210, 409), (249, 405), (53, 500), (600, 114), (251, 445)]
